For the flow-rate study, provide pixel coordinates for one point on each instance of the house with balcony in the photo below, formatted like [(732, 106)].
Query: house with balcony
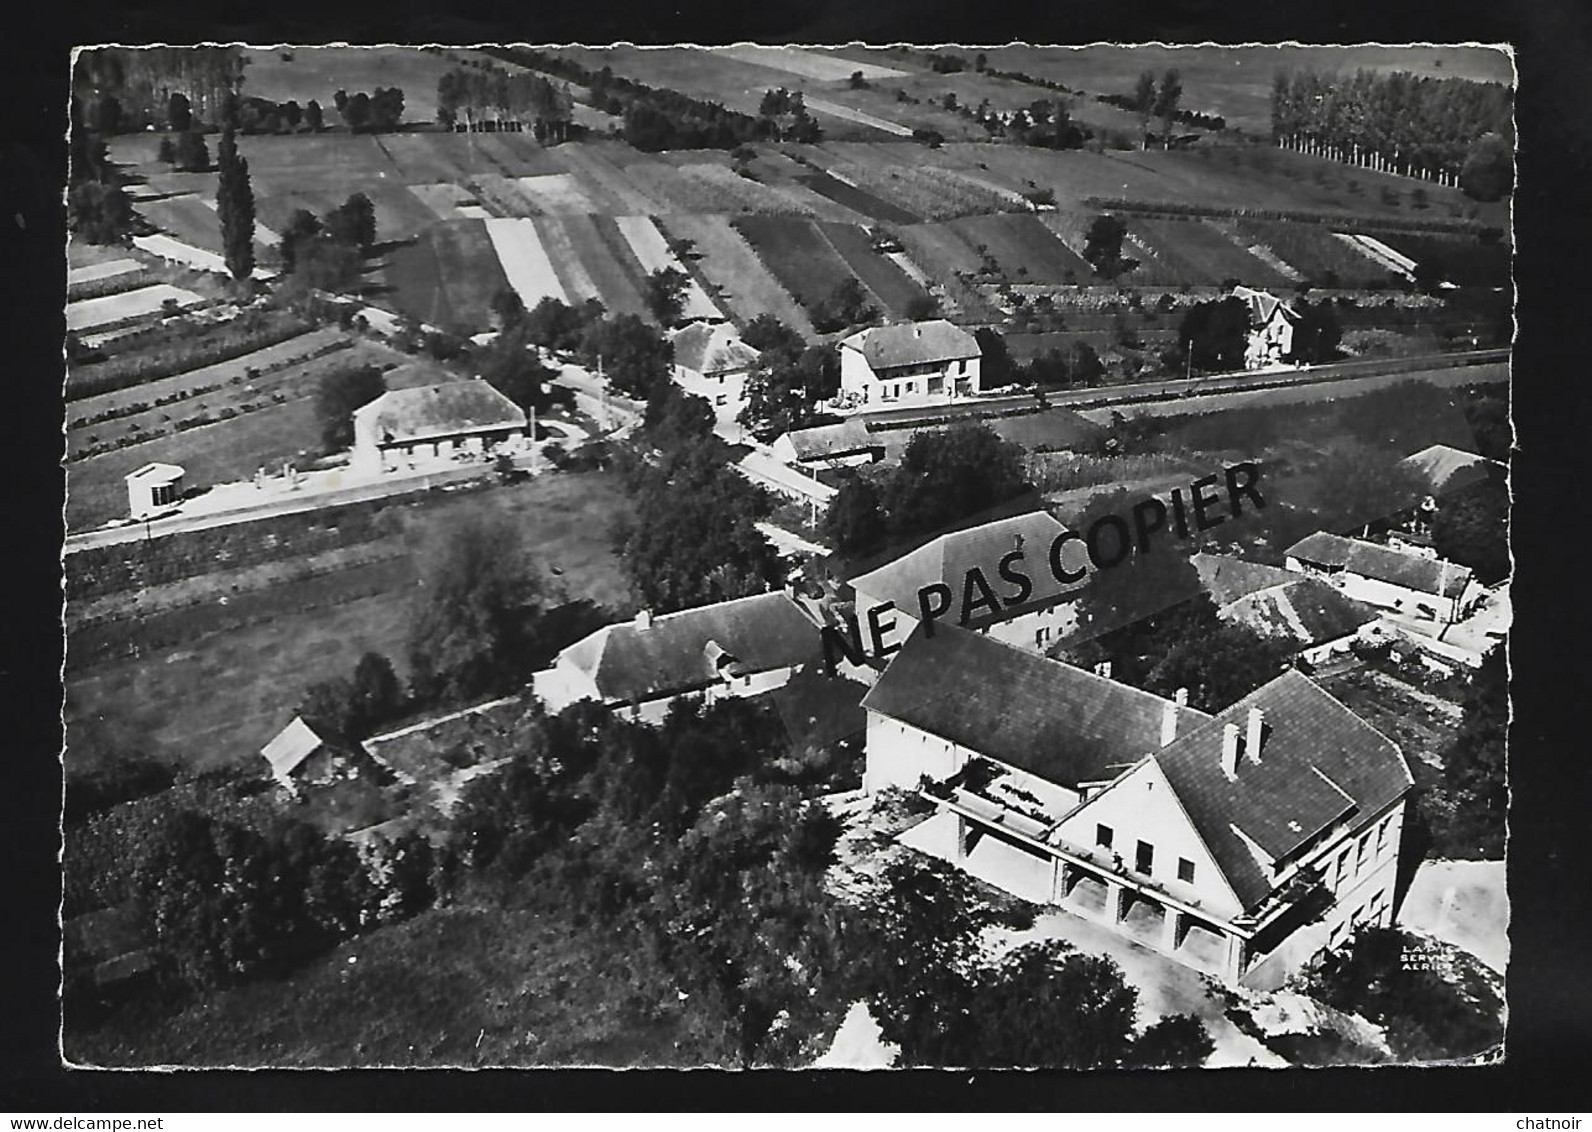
[(1401, 581), (1239, 844), (933, 360), (639, 668)]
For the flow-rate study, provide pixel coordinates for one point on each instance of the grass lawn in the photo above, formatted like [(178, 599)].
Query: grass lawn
[(470, 985), (218, 698)]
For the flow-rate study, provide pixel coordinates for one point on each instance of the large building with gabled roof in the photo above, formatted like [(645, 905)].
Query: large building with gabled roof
[(1416, 585), (429, 422), (909, 360), (742, 647), (1239, 843)]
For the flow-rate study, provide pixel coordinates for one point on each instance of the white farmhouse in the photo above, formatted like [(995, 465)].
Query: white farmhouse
[(433, 422), (931, 359), (1407, 583), (1271, 328), (712, 362)]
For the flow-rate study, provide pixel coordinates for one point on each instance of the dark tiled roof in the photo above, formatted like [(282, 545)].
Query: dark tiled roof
[(672, 655), (711, 349), (1424, 575), (913, 343), (1283, 801), (1307, 610), (449, 409), (1227, 579), (1059, 722), (948, 559), (1262, 305)]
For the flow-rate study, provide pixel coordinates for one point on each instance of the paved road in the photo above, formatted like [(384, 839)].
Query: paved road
[(270, 508)]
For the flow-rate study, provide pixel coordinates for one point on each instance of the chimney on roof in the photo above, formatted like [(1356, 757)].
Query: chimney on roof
[(1257, 728), (644, 619), (1103, 669), (1168, 724), (917, 331), (1180, 697), (1230, 750)]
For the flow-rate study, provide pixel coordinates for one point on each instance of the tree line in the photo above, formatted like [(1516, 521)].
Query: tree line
[(489, 95), (1450, 130), (120, 90)]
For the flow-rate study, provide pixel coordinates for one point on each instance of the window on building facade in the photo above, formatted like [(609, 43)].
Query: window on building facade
[(1359, 856), (1144, 858), (1103, 836), (1382, 832), (1342, 871), (1185, 870)]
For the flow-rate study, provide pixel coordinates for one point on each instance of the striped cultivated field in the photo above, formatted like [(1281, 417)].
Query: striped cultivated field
[(805, 263), (560, 250), (745, 285), (447, 201), (893, 287), (558, 194), (1027, 251), (653, 252), (1201, 254), (525, 263)]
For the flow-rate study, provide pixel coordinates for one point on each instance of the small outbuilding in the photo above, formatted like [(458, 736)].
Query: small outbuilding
[(152, 488)]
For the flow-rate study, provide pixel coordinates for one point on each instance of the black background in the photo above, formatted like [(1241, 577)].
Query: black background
[(1550, 978)]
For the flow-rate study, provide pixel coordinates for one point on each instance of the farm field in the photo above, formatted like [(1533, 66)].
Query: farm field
[(558, 250), (307, 73), (858, 200), (1197, 253), (746, 285), (807, 267), (816, 65), (601, 166), (1316, 253), (105, 269), (447, 277), (525, 262), (608, 258), (255, 674), (86, 314), (894, 288), (1027, 251), (1234, 82), (652, 250), (922, 191), (556, 193)]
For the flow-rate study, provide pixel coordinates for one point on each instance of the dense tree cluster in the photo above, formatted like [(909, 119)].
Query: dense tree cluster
[(380, 111), (945, 477), (789, 110), (1401, 123), (694, 539), (789, 380), (1102, 246), (328, 252), (847, 305), (120, 90), (1475, 764), (349, 709), (1213, 336), (492, 97), (936, 993), (339, 394)]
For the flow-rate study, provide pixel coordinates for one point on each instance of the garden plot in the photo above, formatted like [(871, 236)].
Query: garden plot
[(85, 314), (880, 274), (525, 263), (94, 272), (745, 284), (652, 250), (614, 267), (186, 219), (807, 265), (201, 259), (1027, 251), (807, 64), (939, 249), (1202, 255), (845, 191), (560, 252), (558, 194)]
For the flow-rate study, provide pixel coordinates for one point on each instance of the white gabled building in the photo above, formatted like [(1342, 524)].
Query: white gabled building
[(712, 362), (906, 360), (1412, 584), (1240, 844), (432, 422), (1271, 328)]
